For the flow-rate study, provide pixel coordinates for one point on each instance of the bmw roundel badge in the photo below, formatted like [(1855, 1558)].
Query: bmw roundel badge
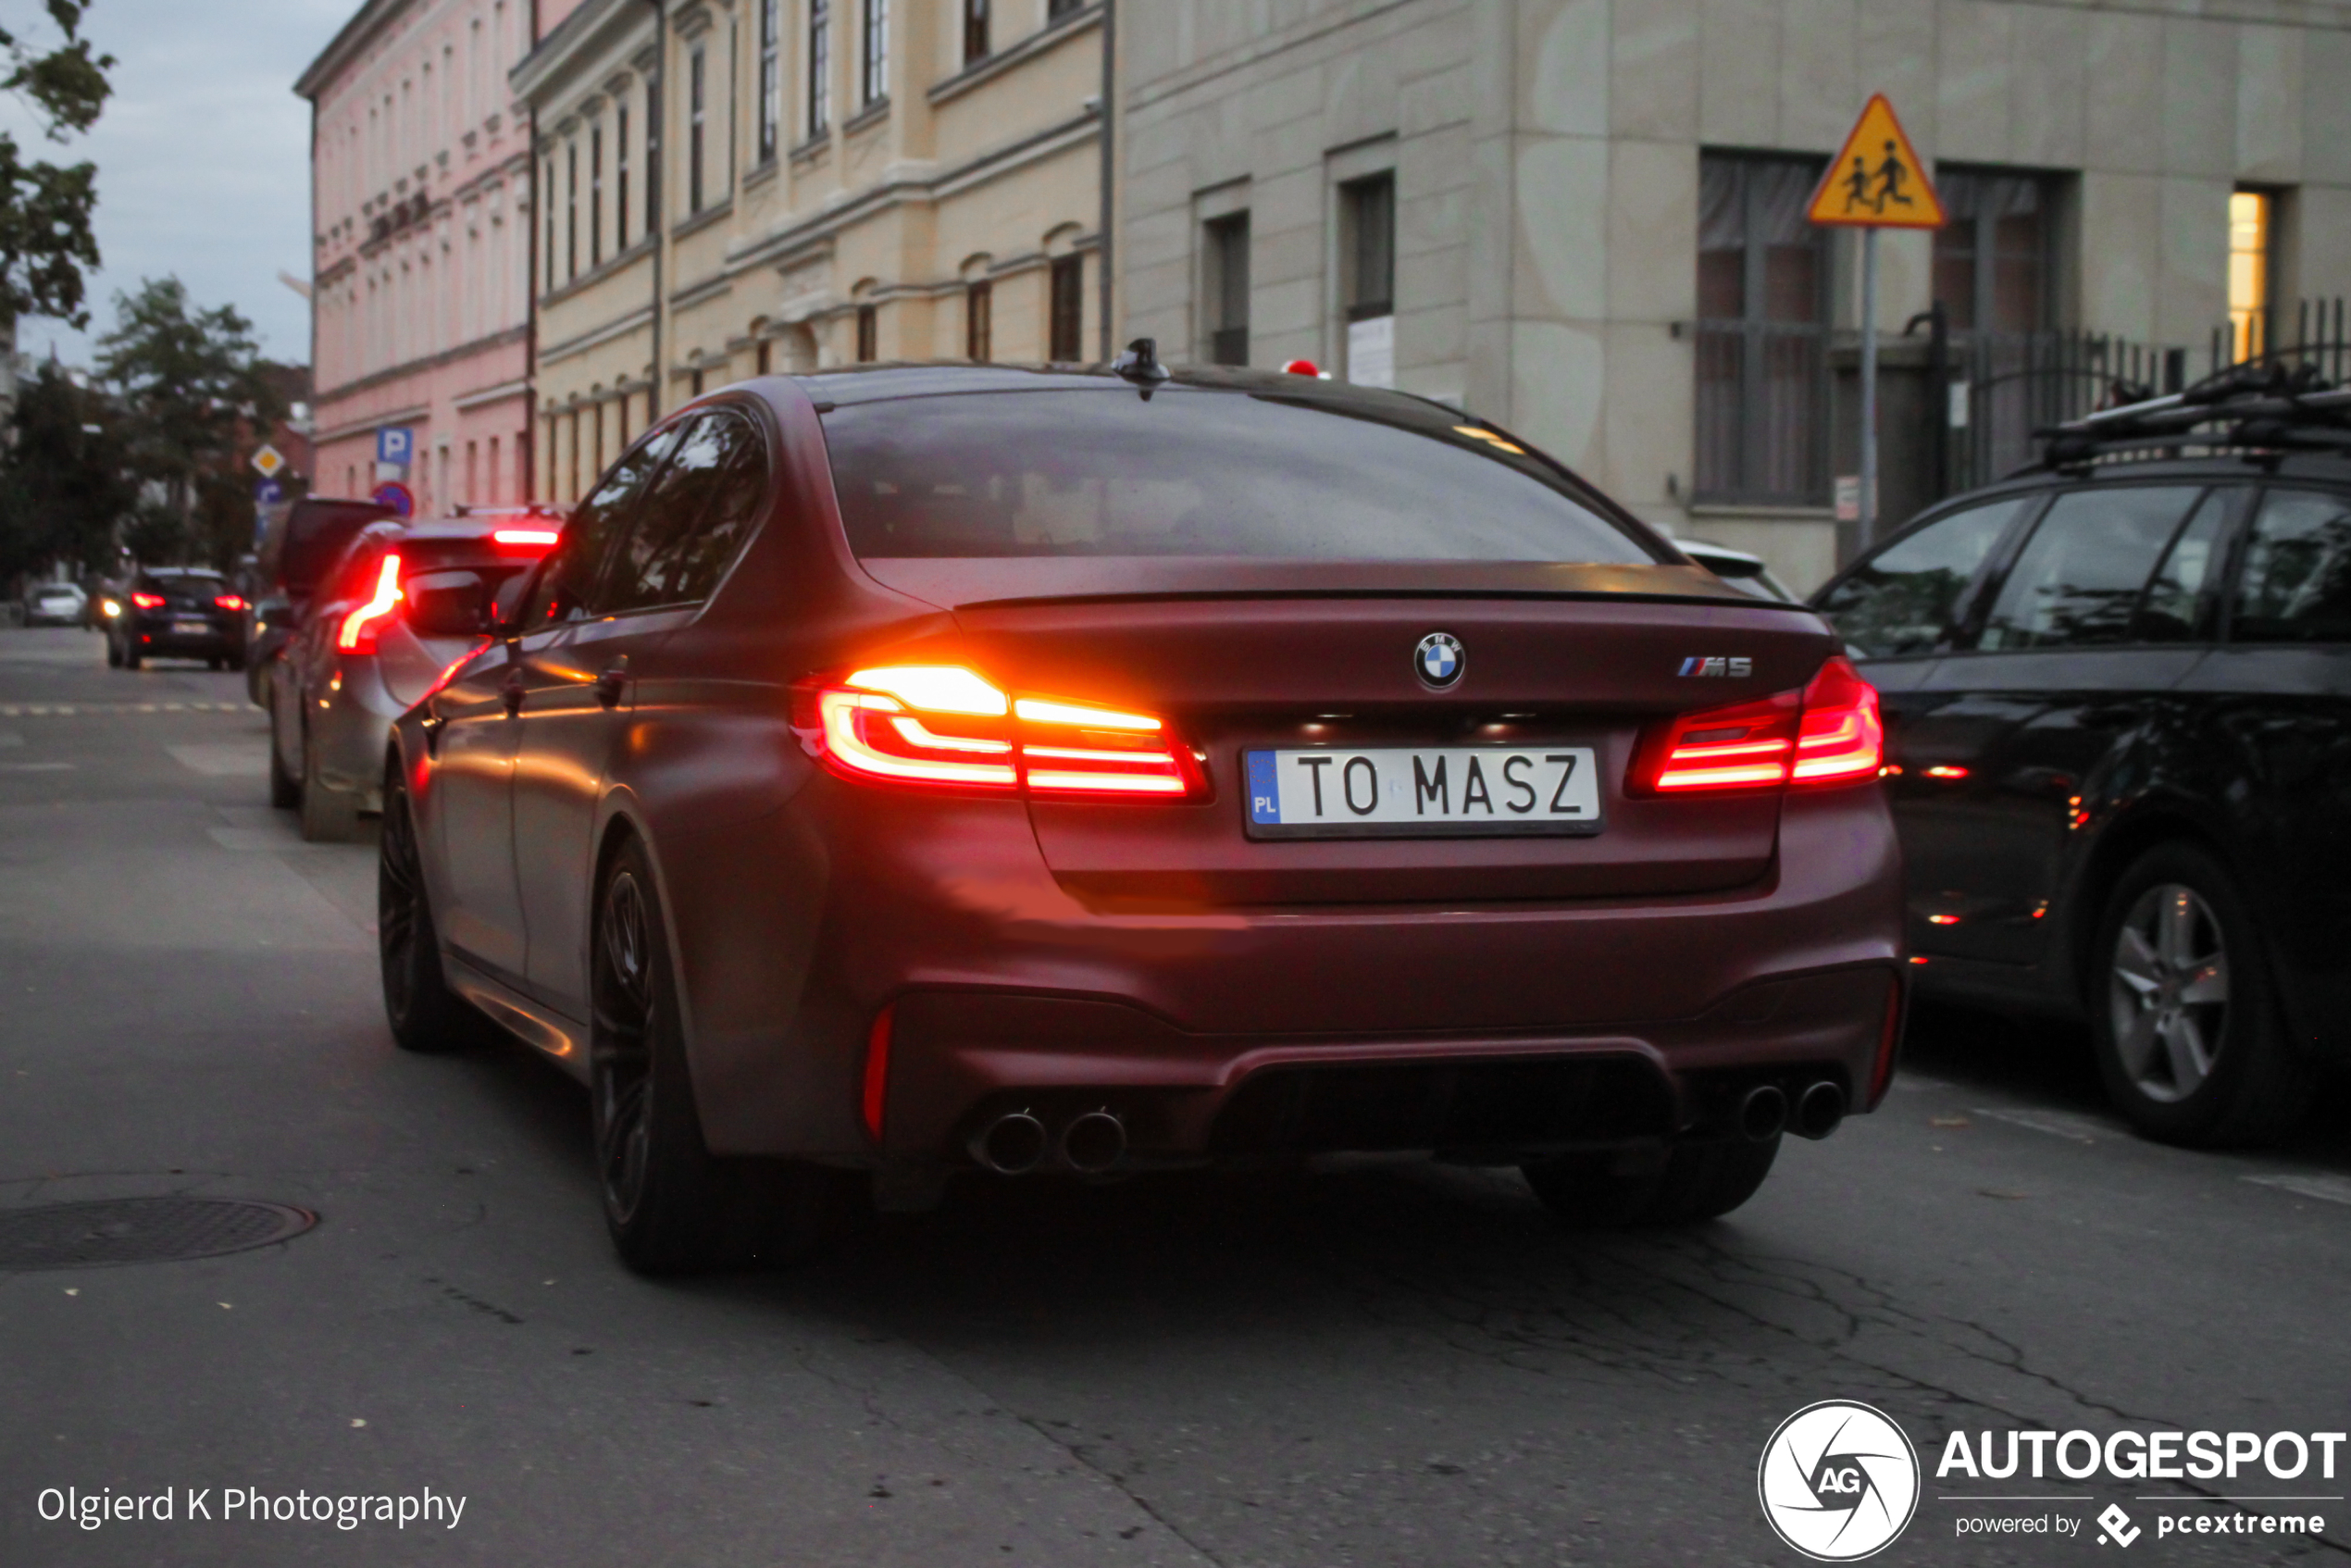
[(1439, 660)]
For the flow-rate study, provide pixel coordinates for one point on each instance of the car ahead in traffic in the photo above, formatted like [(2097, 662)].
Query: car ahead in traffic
[(383, 621), (176, 613), (299, 548), (2118, 703), (56, 603), (922, 769)]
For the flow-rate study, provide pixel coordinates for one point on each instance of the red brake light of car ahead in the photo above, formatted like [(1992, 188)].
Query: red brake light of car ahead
[(229, 602), (526, 539), (357, 634), (147, 601), (1828, 733), (947, 726)]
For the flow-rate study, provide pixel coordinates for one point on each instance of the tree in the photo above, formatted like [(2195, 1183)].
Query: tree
[(192, 386), (66, 482), (46, 245)]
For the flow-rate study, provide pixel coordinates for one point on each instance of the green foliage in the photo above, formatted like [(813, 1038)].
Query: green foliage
[(66, 481), (46, 244), (189, 381)]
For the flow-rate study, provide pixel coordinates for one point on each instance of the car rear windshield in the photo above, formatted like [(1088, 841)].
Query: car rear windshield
[(204, 587), (1201, 473)]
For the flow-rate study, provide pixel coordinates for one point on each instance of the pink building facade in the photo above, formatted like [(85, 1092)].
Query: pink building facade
[(420, 201)]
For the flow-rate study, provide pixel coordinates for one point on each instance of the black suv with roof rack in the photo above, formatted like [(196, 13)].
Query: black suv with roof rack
[(2117, 691)]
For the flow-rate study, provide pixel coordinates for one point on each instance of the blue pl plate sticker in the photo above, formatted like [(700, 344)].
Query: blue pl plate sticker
[(1264, 795)]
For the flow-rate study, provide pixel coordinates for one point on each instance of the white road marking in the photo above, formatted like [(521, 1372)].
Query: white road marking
[(2327, 1189), (36, 767), (2057, 1124)]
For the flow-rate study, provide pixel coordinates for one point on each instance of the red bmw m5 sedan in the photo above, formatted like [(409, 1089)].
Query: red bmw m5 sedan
[(917, 769)]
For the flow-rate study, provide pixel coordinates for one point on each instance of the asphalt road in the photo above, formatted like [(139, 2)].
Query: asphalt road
[(1375, 1363)]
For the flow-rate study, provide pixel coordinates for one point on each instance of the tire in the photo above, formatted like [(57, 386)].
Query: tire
[(285, 789), (425, 1015), (131, 657), (216, 663), (671, 1207), (114, 654), (2184, 1015), (1684, 1183), (329, 816)]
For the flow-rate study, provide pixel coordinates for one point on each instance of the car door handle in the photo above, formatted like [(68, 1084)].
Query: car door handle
[(613, 682), (510, 694)]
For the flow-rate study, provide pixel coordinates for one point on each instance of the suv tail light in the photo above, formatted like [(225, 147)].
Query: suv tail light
[(147, 601), (1828, 733), (946, 726), (357, 633), (228, 602)]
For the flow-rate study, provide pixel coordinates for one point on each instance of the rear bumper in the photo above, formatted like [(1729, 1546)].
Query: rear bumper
[(1004, 988)]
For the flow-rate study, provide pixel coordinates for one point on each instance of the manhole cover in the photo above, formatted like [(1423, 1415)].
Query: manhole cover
[(141, 1230)]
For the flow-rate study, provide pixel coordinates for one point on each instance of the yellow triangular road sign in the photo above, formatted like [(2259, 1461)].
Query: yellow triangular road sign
[(1878, 179)]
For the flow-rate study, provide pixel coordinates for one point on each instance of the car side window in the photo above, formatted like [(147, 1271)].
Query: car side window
[(2079, 578), (696, 517), (2295, 583), (574, 585), (1902, 600), (2174, 609)]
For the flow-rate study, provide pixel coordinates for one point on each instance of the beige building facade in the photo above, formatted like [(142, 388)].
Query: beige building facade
[(736, 187), (1583, 219)]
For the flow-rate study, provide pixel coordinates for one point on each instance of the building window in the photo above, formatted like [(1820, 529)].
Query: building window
[(1762, 360), (770, 81), (1367, 278), (1224, 287), (550, 189), (1067, 310), (975, 32), (868, 334), (2252, 261), (596, 196), (1992, 259), (1056, 9), (820, 66), (620, 178), (697, 73), (764, 356), (571, 210), (877, 59), (979, 309), (693, 383), (652, 154)]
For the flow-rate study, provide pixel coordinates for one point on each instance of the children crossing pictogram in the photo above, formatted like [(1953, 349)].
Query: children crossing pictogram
[(1877, 179)]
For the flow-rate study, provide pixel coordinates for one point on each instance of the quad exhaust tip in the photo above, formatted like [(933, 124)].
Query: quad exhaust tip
[(1094, 1141), (1011, 1144), (1818, 1114), (1763, 1114)]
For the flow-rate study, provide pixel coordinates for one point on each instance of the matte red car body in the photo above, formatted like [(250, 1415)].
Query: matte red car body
[(1149, 957)]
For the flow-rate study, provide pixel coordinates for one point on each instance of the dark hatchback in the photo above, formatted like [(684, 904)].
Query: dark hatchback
[(2118, 704), (178, 613)]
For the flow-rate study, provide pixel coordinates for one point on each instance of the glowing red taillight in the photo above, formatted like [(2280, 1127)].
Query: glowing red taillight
[(229, 602), (147, 601), (947, 726), (526, 538), (357, 634), (1828, 733)]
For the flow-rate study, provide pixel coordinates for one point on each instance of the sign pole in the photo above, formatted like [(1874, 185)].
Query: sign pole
[(1869, 386)]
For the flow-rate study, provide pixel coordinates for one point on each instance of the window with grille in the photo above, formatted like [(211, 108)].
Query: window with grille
[(1367, 278), (1994, 261), (876, 63), (820, 66), (1224, 287), (770, 40), (1762, 334), (1068, 310)]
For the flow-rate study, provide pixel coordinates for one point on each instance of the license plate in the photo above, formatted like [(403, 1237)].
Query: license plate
[(191, 628), (1434, 791)]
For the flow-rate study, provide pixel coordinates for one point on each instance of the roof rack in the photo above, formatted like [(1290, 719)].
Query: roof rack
[(2259, 408)]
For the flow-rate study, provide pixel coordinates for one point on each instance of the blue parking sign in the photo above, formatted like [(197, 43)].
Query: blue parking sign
[(395, 444)]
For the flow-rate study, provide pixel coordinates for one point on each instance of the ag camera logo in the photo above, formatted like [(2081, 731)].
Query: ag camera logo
[(1839, 1481)]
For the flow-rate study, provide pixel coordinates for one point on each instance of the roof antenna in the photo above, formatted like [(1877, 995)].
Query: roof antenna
[(1140, 363)]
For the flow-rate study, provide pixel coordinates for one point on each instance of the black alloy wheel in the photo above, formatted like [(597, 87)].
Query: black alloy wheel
[(2183, 1016), (1684, 1182), (670, 1205), (425, 1015)]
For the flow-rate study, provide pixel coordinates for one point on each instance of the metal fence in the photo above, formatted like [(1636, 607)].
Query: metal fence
[(1762, 413)]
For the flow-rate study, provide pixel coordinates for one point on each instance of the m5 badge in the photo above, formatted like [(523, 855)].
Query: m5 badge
[(1734, 669)]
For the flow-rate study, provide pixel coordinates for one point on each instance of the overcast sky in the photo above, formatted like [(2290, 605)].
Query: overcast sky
[(203, 157)]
